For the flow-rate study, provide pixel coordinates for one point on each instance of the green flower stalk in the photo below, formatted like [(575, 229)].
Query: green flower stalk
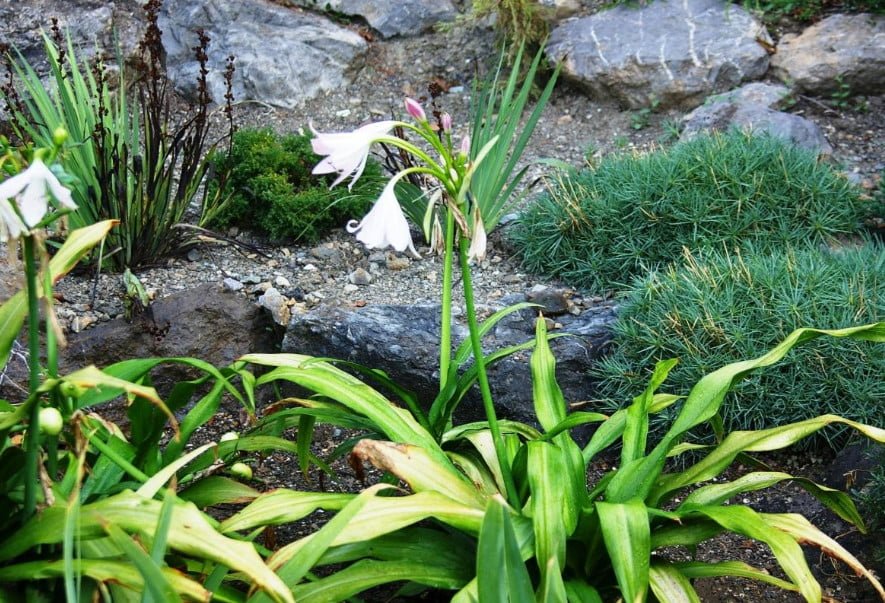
[(25, 201)]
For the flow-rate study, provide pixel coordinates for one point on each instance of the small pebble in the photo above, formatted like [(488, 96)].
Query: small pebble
[(359, 277), (232, 284)]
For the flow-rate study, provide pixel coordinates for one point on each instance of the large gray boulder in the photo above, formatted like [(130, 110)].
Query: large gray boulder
[(668, 52), (401, 18), (754, 107), (842, 48), (283, 56), (403, 341), (205, 322)]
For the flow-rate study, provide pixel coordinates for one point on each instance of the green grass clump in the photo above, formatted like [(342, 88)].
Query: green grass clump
[(603, 226), (723, 308), (271, 189)]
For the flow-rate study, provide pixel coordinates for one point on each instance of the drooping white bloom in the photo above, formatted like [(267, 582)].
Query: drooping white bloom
[(346, 152), (31, 191), (477, 251), (385, 224)]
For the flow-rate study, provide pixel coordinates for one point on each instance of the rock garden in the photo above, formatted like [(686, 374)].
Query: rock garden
[(363, 300)]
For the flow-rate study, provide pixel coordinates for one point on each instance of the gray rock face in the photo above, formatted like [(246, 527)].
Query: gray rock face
[(846, 47), (753, 107), (403, 341), (673, 53), (282, 56), (401, 18), (91, 24), (205, 322)]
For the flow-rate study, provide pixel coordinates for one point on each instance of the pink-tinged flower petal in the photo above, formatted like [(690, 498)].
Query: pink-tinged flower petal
[(415, 109), (346, 152), (465, 146), (385, 225), (446, 122)]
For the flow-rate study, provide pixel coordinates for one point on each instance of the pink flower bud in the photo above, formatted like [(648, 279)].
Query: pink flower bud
[(415, 110), (446, 122), (465, 146)]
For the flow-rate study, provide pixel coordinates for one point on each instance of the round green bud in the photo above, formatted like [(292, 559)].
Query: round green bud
[(59, 136), (241, 470), (71, 390), (51, 421)]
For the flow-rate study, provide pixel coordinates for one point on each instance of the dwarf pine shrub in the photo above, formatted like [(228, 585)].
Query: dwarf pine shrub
[(271, 189), (605, 225), (720, 308)]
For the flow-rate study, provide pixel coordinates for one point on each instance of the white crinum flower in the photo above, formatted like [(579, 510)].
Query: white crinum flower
[(346, 152), (31, 192), (385, 224)]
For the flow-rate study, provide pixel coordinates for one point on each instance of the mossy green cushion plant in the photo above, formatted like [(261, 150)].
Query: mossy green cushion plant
[(721, 308), (603, 226), (271, 189)]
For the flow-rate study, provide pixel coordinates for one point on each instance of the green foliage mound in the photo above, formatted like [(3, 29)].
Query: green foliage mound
[(603, 226), (271, 189), (721, 308)]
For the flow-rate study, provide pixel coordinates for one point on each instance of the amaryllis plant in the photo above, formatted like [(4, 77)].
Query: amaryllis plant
[(449, 177)]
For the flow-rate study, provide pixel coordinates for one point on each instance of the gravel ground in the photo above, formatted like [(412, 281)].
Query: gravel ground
[(573, 127)]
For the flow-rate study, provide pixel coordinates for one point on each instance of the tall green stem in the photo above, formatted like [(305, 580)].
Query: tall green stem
[(445, 337), (485, 390), (32, 450)]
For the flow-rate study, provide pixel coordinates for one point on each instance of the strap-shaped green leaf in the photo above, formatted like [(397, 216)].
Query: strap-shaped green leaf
[(500, 571), (715, 494), (157, 588), (554, 510), (763, 440), (746, 521), (218, 490), (804, 531), (703, 402), (670, 585), (626, 533), (108, 571)]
